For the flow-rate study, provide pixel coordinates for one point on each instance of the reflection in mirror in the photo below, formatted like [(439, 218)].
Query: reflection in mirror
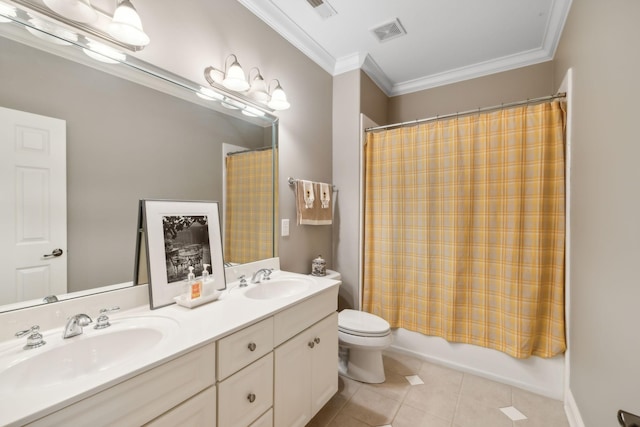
[(124, 142)]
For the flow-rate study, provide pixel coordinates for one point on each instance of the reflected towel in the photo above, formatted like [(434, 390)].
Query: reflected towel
[(316, 215)]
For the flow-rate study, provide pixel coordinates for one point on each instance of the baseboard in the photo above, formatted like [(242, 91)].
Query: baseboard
[(571, 410)]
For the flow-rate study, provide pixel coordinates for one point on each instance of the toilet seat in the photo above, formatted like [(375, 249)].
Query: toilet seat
[(362, 324)]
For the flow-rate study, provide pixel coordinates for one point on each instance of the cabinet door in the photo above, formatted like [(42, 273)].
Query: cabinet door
[(324, 361), (292, 387)]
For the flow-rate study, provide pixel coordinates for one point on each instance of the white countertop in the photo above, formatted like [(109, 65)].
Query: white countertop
[(196, 327)]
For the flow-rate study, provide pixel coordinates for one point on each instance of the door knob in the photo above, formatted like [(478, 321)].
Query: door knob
[(54, 253)]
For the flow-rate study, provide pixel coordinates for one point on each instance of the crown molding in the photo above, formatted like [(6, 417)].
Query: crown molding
[(273, 16), (482, 69)]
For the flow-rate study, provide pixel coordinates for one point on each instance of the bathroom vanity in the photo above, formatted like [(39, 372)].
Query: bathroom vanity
[(258, 359)]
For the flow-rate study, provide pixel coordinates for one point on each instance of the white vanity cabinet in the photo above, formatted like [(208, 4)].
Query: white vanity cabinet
[(306, 373), (306, 364), (145, 397), (296, 378), (279, 371)]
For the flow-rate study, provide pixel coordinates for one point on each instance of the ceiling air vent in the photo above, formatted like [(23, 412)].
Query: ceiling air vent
[(322, 8), (388, 31)]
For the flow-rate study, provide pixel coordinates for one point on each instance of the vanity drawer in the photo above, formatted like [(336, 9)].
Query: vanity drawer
[(247, 394), (141, 398), (289, 322), (243, 347), (199, 411)]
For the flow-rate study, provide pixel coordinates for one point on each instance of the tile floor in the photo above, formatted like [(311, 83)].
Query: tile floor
[(448, 398)]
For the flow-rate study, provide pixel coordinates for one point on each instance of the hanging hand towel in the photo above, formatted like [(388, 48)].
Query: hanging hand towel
[(325, 195), (324, 212), (309, 196), (314, 215)]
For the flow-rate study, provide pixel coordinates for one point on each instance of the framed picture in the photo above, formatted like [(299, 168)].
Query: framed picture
[(180, 236)]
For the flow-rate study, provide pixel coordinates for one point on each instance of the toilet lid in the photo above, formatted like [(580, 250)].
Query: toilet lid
[(361, 323)]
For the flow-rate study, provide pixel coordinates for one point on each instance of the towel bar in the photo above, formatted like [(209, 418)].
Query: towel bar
[(292, 181)]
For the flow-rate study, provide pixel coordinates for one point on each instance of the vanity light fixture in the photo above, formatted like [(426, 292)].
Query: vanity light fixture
[(234, 77), (126, 25), (278, 99), (76, 10), (103, 53), (256, 94), (258, 89), (7, 11)]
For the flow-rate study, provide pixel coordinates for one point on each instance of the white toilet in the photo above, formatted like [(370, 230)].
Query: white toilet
[(361, 337)]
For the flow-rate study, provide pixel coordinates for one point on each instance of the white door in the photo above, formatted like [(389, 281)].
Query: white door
[(33, 215)]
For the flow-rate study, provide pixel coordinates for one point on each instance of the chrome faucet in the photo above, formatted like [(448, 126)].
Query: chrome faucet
[(34, 339), (75, 325), (263, 272)]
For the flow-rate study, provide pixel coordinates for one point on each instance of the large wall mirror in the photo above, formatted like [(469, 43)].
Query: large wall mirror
[(126, 141)]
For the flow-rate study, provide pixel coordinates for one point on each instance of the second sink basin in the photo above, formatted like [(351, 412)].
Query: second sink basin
[(279, 288), (87, 354)]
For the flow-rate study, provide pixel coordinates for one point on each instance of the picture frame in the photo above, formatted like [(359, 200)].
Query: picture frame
[(179, 236)]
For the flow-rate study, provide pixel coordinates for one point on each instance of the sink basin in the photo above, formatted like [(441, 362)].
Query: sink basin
[(278, 288), (92, 352)]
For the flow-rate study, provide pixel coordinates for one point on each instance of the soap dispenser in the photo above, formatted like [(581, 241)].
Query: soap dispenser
[(207, 282), (194, 288)]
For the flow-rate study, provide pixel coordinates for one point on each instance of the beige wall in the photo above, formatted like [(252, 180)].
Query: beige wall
[(374, 103), (508, 86), (346, 175), (600, 43)]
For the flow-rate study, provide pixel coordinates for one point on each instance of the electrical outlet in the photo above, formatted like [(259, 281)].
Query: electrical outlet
[(284, 228)]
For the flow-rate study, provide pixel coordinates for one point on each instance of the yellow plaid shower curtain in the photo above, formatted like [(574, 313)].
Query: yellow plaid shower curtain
[(465, 229), (249, 206)]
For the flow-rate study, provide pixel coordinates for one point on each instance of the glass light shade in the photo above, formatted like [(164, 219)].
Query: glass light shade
[(52, 33), (126, 25), (76, 10), (104, 53), (258, 90), (6, 10), (278, 99), (234, 78)]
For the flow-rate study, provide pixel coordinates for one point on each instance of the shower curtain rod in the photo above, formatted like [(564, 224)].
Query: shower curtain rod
[(477, 110), (249, 151)]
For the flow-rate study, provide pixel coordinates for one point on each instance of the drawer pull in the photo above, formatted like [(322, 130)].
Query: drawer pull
[(311, 344), (251, 397), (252, 346), (317, 340)]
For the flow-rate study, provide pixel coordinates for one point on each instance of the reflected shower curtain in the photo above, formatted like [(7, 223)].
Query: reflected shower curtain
[(464, 229), (249, 206)]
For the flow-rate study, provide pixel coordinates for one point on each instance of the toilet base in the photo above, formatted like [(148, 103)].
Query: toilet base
[(362, 365)]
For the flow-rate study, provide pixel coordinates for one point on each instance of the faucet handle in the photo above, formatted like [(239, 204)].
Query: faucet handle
[(103, 320), (34, 340), (243, 281), (267, 273)]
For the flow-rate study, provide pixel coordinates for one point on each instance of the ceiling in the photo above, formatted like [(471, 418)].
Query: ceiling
[(446, 41)]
